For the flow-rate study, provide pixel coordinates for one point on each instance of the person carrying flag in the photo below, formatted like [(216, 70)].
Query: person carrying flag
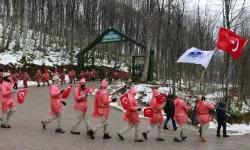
[(102, 109), (131, 116), (56, 106), (81, 106), (7, 99), (157, 118)]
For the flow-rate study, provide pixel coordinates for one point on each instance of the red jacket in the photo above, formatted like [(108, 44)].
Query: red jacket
[(101, 104), (157, 112), (80, 103), (55, 100), (7, 98), (202, 110), (131, 115), (38, 76), (181, 109), (46, 76)]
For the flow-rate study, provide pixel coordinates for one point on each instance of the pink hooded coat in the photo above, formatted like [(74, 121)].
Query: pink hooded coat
[(55, 100), (131, 115), (80, 103), (101, 104), (157, 110), (181, 109), (202, 110), (7, 98)]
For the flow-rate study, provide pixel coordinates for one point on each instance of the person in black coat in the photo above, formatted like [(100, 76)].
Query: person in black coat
[(169, 110), (221, 119)]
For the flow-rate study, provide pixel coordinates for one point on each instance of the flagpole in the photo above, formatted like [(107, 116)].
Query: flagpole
[(230, 72), (206, 70)]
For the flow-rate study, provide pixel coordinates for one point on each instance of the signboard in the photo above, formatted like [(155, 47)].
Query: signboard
[(111, 37)]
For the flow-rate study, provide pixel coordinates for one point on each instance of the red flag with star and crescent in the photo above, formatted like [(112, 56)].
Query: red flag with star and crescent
[(124, 101), (21, 94), (161, 99), (230, 42), (148, 112)]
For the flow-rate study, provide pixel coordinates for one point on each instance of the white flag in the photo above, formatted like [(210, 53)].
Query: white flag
[(196, 56)]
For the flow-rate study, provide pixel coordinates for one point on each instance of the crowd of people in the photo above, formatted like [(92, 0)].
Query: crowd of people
[(175, 108), (89, 75)]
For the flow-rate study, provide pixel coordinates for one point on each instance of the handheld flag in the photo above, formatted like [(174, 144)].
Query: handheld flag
[(124, 101), (161, 99), (196, 56), (148, 112), (89, 90), (66, 92), (21, 94), (230, 42)]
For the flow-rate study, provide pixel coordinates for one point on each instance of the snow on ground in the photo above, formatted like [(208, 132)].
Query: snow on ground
[(144, 89), (237, 129)]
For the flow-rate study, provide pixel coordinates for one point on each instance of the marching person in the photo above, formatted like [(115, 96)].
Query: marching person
[(7, 99), (102, 109), (81, 106), (70, 77), (81, 75), (203, 116), (169, 110), (25, 78), (56, 105), (221, 119), (131, 116), (157, 119), (38, 77), (46, 77), (180, 116), (15, 78), (62, 77)]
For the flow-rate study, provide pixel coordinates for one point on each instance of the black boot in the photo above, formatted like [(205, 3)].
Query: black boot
[(160, 139), (139, 140), (120, 136), (218, 135), (59, 130), (225, 135), (75, 132), (184, 138), (106, 136), (144, 134), (44, 126), (5, 126), (90, 133), (165, 128)]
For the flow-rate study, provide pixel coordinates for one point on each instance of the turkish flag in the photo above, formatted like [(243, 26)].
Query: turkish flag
[(231, 43), (124, 101), (161, 99), (66, 92), (148, 112), (21, 94), (89, 90)]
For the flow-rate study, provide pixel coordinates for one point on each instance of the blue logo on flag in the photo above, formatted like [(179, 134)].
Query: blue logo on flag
[(195, 54)]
